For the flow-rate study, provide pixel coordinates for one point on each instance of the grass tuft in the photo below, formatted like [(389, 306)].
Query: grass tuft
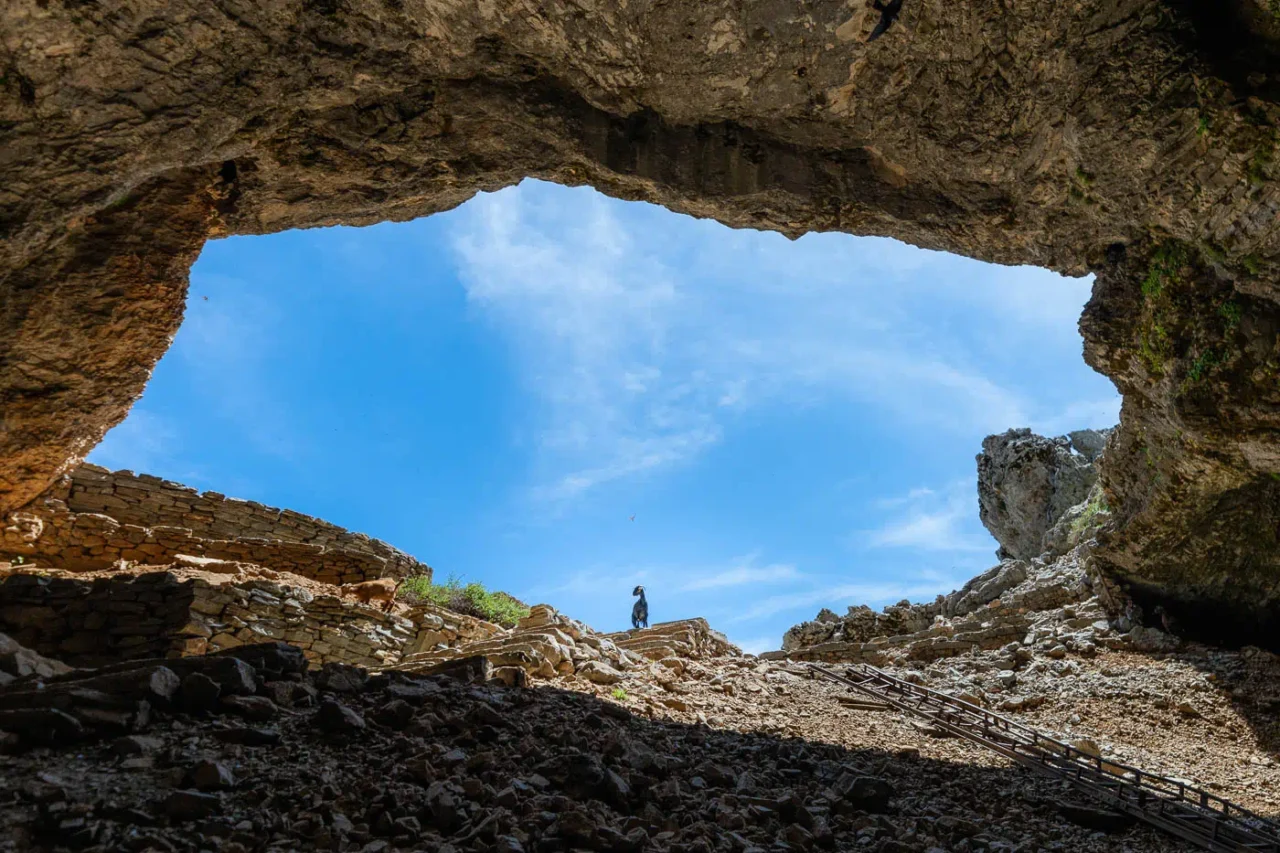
[(470, 599)]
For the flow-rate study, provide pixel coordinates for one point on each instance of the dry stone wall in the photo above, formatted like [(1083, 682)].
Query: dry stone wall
[(169, 613), (94, 520), (146, 501), (328, 629), (98, 621)]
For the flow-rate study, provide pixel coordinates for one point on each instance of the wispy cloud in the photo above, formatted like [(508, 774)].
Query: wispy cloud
[(642, 335), (744, 573), (910, 497), (840, 596), (756, 645), (932, 521)]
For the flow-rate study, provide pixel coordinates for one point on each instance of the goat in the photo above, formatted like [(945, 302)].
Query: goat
[(640, 610), (383, 589)]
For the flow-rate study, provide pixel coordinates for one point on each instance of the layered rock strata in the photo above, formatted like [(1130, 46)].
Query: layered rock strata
[(548, 645)]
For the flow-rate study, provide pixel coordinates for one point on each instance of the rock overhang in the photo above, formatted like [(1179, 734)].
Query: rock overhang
[(1117, 139)]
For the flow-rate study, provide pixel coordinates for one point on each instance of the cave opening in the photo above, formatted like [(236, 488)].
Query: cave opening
[(499, 389)]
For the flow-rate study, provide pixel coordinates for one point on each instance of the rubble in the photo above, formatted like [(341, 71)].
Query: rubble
[(395, 761)]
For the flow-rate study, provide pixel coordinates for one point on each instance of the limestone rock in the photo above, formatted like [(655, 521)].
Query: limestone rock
[(1025, 483), (599, 673)]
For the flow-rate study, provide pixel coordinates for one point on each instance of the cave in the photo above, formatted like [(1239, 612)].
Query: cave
[(1132, 140), (1111, 139)]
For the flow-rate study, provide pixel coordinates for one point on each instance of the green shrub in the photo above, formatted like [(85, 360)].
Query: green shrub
[(1097, 505), (619, 694), (470, 599)]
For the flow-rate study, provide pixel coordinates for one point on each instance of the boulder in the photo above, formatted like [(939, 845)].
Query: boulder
[(599, 673), (1025, 483)]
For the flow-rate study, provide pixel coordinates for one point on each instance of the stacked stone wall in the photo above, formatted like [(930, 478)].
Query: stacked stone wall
[(98, 621), (326, 628), (52, 537), (93, 520), (146, 501), (94, 621)]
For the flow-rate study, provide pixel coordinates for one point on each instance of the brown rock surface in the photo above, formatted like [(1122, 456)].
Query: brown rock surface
[(1133, 139)]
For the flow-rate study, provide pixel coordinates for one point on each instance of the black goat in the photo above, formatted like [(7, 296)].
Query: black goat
[(640, 610)]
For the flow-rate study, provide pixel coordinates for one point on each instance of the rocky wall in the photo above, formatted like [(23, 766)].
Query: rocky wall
[(1135, 139), (147, 501), (96, 621), (48, 534), (991, 628), (439, 628), (326, 628)]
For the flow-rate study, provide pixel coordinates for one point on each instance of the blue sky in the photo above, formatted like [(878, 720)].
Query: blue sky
[(498, 388)]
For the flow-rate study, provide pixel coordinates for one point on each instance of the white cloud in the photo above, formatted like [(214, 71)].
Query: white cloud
[(839, 596), (744, 573), (909, 497), (932, 521), (1082, 414), (641, 334), (757, 645)]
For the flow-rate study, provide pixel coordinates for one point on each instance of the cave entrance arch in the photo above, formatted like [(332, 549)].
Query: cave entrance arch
[(1082, 137)]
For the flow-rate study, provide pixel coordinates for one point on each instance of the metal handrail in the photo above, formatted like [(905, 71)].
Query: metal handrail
[(1170, 804)]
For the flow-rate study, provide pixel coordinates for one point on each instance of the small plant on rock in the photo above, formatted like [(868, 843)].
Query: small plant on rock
[(470, 599), (1096, 506), (619, 694)]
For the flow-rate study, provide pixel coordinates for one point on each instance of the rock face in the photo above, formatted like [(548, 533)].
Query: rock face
[(1026, 482), (1039, 497), (1135, 140), (172, 611)]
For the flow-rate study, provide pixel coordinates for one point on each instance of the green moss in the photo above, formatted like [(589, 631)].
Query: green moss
[(1080, 184), (1167, 266), (1259, 167), (471, 599), (1230, 312), (1252, 264), (1203, 364), (1155, 347), (1212, 253), (1097, 505)]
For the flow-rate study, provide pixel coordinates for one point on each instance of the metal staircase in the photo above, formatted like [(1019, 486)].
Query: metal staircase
[(1180, 809)]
